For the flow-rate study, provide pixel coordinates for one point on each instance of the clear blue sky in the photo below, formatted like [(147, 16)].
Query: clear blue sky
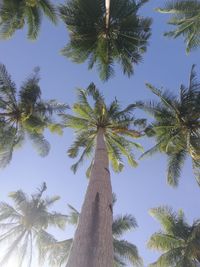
[(165, 64)]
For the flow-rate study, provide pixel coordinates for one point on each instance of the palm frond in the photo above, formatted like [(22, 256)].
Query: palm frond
[(8, 212), (19, 197), (40, 143), (127, 252), (73, 216), (49, 10), (185, 17), (122, 224), (175, 163), (33, 16), (165, 216), (15, 14), (7, 87), (164, 242)]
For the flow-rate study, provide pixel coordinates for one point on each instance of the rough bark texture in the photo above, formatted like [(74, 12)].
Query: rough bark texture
[(107, 5), (93, 241)]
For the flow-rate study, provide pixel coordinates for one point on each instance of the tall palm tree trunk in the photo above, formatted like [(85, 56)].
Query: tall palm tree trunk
[(93, 241), (107, 5)]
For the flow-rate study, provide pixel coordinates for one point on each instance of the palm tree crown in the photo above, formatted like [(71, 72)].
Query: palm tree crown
[(186, 18), (24, 224), (177, 127), (178, 241), (14, 14), (25, 115), (123, 41), (124, 251), (116, 123)]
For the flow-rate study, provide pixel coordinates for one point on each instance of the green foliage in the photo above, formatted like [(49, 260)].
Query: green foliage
[(124, 252), (92, 114), (23, 225), (15, 14), (24, 115), (185, 16), (176, 127), (178, 241), (123, 41)]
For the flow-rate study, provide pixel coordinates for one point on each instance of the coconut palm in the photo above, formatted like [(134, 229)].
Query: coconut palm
[(177, 240), (185, 16), (124, 251), (14, 14), (176, 127), (23, 225), (105, 133), (106, 32), (24, 115)]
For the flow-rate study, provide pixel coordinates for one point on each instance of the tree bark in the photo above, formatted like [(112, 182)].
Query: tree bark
[(93, 241), (107, 5)]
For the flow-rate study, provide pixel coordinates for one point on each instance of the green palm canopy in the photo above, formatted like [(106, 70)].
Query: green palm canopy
[(185, 16), (178, 241), (14, 14), (122, 41), (117, 124), (124, 252), (176, 127), (24, 114), (23, 226)]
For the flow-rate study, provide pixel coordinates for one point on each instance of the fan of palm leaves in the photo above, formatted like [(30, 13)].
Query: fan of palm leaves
[(14, 14), (23, 226), (176, 127), (178, 241), (117, 124), (24, 115), (185, 16), (124, 252), (123, 40)]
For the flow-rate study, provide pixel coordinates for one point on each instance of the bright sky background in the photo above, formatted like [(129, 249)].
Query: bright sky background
[(165, 64)]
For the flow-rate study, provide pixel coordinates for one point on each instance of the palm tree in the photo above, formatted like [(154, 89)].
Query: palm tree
[(106, 131), (14, 14), (124, 251), (176, 127), (25, 115), (178, 241), (185, 17), (105, 32), (24, 225)]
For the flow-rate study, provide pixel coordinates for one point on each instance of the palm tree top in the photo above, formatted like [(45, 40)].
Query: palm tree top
[(123, 39), (14, 14), (178, 240), (24, 113), (33, 210), (176, 126), (24, 224), (185, 17), (91, 114)]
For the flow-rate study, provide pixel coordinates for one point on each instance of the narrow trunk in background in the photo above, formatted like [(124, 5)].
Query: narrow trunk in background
[(93, 241), (107, 5)]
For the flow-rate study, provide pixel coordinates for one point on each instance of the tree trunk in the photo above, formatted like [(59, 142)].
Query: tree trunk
[(93, 241), (107, 5)]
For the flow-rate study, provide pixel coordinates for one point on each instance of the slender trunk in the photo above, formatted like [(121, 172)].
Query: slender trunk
[(107, 5), (93, 241)]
